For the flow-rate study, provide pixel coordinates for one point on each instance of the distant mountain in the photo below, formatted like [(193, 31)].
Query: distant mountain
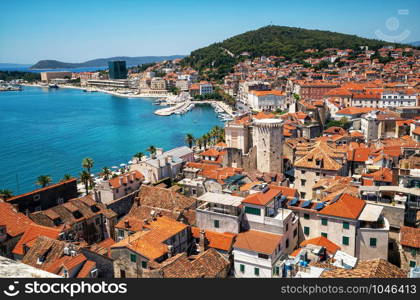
[(101, 62), (415, 44), (218, 59)]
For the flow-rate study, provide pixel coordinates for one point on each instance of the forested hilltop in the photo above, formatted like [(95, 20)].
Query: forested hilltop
[(217, 60)]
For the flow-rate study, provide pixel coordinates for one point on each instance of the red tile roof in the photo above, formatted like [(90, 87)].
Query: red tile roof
[(258, 241), (216, 240), (263, 199), (346, 206), (322, 241), (32, 232), (16, 223)]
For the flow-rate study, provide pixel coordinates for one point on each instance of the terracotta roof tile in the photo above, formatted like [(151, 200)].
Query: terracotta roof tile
[(410, 237), (258, 241)]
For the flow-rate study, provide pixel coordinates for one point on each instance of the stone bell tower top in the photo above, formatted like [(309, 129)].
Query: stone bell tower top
[(268, 136)]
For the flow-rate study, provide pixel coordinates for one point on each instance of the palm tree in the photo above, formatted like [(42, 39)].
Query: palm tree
[(66, 177), (139, 155), (85, 178), (205, 138), (199, 143), (43, 180), (106, 172), (87, 163), (6, 194), (189, 139), (152, 150)]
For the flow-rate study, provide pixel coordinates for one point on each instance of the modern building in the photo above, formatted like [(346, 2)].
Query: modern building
[(117, 69)]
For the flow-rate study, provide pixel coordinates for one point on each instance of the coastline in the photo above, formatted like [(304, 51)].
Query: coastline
[(113, 93)]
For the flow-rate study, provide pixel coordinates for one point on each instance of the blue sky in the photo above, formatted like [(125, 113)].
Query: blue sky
[(79, 30)]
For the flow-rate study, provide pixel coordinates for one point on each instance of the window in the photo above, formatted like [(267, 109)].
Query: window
[(303, 172), (317, 173), (302, 195), (287, 243), (252, 211), (294, 232), (144, 264), (242, 268), (306, 216), (306, 230), (346, 225), (325, 235), (372, 242), (122, 273), (216, 224), (324, 222), (277, 271), (133, 258), (412, 264), (120, 233), (346, 240), (302, 182), (262, 255), (257, 271), (98, 221), (287, 227)]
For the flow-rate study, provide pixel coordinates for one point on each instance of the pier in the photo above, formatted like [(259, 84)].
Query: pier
[(185, 106)]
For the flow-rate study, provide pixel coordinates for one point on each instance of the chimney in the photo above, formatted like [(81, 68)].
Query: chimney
[(202, 242)]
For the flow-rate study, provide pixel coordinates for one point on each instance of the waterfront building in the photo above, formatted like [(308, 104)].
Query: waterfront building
[(118, 187), (45, 198), (117, 69), (48, 76), (108, 84), (266, 100), (163, 165)]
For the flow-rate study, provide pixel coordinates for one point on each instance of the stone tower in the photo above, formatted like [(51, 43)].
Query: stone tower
[(268, 136)]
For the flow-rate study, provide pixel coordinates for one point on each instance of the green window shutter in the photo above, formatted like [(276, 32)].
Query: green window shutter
[(257, 271), (133, 257), (306, 230), (324, 222), (346, 225), (346, 240), (412, 264), (216, 224), (325, 235), (276, 270), (242, 268), (253, 211), (144, 264), (372, 242)]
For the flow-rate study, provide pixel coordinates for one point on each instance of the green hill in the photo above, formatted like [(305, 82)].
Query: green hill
[(217, 60)]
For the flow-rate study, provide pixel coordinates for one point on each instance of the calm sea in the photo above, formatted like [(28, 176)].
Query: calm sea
[(50, 131)]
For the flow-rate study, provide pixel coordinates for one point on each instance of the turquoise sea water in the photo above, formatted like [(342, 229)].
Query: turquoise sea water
[(50, 131)]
